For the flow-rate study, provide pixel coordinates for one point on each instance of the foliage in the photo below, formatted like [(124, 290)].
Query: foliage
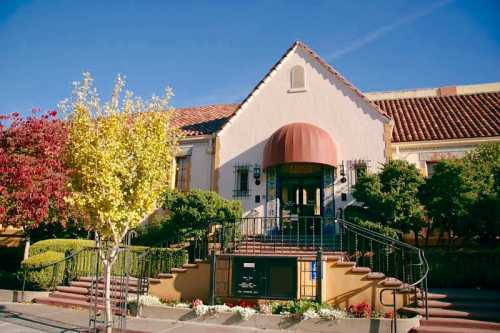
[(39, 276), (358, 215), (190, 214), (11, 258), (391, 197), (462, 196), (60, 245), (33, 176), (161, 260), (121, 156), (71, 228), (449, 194)]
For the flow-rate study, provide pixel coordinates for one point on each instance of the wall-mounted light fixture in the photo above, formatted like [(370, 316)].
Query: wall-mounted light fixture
[(256, 174)]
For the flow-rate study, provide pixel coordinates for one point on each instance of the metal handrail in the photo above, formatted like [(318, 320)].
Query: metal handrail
[(259, 230)]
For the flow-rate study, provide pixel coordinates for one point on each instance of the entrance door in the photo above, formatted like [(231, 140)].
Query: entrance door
[(265, 277)]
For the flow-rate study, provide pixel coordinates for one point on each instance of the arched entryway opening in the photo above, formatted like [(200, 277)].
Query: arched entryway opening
[(300, 160)]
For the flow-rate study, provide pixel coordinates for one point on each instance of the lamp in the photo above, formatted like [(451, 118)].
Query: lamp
[(256, 174)]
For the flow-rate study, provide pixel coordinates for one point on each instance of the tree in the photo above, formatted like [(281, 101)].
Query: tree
[(120, 154), (33, 177), (391, 197), (448, 195), (462, 195)]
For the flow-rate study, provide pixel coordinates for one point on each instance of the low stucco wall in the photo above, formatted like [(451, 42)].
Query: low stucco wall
[(344, 288), (190, 285), (278, 322)]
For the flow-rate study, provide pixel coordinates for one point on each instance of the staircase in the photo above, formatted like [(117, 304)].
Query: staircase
[(78, 293), (459, 310)]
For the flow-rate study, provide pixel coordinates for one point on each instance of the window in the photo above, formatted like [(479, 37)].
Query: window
[(430, 167), (241, 181), (360, 169), (297, 79), (182, 173)]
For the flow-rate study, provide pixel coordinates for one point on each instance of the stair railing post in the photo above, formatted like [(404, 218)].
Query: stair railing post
[(319, 275), (213, 268), (394, 314)]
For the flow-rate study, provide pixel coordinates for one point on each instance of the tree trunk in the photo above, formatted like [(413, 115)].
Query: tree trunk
[(416, 237), (107, 295), (27, 248)]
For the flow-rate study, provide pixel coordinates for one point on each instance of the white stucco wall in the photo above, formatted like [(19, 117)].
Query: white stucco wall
[(201, 162), (353, 124)]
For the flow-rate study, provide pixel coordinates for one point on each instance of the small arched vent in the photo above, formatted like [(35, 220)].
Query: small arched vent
[(297, 78)]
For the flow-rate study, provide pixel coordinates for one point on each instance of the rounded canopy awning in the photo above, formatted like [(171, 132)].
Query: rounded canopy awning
[(300, 143)]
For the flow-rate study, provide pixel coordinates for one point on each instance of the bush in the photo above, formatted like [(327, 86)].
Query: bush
[(190, 215), (359, 216), (464, 268), (84, 263), (60, 245), (40, 277)]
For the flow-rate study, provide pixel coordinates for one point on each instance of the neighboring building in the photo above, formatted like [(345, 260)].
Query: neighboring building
[(297, 143)]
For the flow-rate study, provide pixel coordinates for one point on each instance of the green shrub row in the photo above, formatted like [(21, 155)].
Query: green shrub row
[(60, 245), (40, 277), (85, 263), (464, 268)]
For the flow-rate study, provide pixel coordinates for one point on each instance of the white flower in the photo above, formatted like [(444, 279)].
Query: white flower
[(201, 310), (309, 314), (245, 313), (332, 314), (144, 300), (182, 305)]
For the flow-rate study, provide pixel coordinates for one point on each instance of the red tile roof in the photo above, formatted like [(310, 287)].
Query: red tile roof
[(443, 118), (415, 118), (202, 120)]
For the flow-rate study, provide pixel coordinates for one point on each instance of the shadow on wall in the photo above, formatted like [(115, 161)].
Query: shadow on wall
[(227, 177)]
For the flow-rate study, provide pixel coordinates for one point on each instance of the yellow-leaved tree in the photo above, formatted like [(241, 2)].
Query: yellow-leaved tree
[(120, 153)]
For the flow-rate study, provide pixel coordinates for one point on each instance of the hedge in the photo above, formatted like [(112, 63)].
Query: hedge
[(464, 268), (84, 263), (39, 277), (60, 245)]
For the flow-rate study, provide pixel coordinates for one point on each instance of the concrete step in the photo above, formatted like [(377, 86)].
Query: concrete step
[(361, 270), (375, 276), (488, 315), (80, 297), (345, 263), (133, 282), (391, 282), (178, 270), (114, 287), (441, 329), (165, 275), (460, 305), (460, 323), (70, 303)]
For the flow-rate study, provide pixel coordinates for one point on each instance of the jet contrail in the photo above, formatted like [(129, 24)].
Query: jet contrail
[(380, 32)]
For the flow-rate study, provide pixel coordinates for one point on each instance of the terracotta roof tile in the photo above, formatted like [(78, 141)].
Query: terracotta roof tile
[(202, 120), (443, 118)]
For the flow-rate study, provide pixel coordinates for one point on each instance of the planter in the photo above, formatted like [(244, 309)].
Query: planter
[(277, 322)]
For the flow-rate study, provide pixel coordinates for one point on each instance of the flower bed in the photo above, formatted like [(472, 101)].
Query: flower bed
[(301, 315)]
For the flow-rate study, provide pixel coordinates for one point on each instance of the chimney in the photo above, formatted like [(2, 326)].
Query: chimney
[(447, 91)]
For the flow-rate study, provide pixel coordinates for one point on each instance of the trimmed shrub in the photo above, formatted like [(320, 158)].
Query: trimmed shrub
[(60, 245), (38, 275), (377, 227)]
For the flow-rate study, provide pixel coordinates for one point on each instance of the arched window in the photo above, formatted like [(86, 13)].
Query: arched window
[(297, 78)]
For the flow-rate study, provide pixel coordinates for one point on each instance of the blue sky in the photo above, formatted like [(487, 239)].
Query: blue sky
[(216, 51)]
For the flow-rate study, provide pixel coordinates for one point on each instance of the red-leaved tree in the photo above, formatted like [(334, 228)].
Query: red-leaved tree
[(33, 177)]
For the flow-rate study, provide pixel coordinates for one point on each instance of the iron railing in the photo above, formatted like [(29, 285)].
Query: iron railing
[(349, 241)]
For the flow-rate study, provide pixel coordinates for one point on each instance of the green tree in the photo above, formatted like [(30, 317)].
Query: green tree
[(391, 197), (120, 155), (448, 196)]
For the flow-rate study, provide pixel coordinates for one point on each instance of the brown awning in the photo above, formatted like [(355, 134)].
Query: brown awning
[(300, 143)]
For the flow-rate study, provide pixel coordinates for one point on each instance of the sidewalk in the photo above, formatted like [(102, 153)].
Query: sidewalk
[(35, 318)]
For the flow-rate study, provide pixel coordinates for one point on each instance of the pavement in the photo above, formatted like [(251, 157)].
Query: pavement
[(35, 318)]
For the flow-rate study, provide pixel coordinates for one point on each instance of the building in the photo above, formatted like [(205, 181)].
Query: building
[(302, 136)]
